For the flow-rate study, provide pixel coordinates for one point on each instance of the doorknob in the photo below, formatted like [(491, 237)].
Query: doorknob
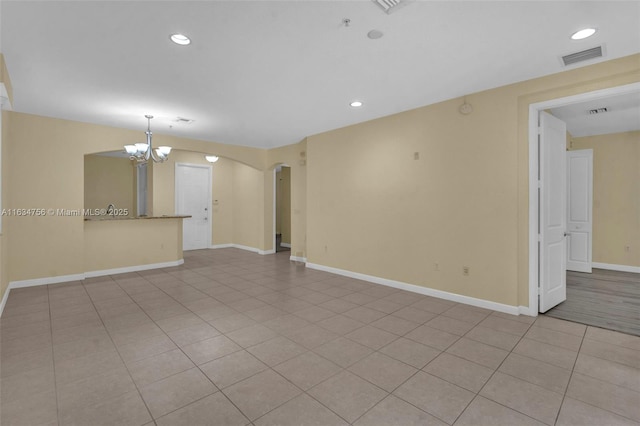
[(567, 234)]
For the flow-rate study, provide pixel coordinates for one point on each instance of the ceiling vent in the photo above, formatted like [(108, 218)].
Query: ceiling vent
[(390, 6), (584, 55), (598, 110)]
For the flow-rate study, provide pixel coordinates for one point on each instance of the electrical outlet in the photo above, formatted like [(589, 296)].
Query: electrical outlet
[(465, 270), (436, 266), (416, 155), (627, 249)]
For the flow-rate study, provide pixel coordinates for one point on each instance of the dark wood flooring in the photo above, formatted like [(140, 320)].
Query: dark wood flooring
[(605, 299)]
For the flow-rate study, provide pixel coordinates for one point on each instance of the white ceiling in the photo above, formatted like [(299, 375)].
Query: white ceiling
[(623, 115), (269, 73)]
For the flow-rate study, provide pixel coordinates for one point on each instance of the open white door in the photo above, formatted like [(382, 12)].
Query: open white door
[(193, 198), (579, 209), (553, 216)]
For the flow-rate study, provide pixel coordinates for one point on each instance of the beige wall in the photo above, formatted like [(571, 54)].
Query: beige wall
[(616, 196), (237, 198), (365, 204), (139, 242), (40, 247), (373, 209), (248, 206), (109, 180)]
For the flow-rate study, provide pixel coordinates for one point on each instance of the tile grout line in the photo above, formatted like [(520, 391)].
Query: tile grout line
[(492, 375)]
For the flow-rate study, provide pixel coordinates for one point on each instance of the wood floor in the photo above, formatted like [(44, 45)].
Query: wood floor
[(606, 299)]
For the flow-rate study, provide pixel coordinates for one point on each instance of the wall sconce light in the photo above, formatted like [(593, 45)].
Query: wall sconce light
[(211, 158)]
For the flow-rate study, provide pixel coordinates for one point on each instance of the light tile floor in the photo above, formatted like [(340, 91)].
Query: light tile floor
[(234, 338)]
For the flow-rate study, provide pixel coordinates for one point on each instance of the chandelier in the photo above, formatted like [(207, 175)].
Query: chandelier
[(142, 152)]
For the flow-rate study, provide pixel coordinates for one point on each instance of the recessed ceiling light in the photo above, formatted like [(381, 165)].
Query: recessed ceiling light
[(180, 39), (356, 104), (582, 34)]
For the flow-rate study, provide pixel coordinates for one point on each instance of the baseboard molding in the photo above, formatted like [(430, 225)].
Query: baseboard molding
[(221, 246), (287, 245), (481, 303), (614, 267), (4, 301), (136, 268), (528, 311), (241, 247), (45, 281), (298, 259), (79, 277)]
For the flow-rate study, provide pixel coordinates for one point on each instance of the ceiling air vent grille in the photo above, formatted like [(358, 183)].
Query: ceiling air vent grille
[(390, 6), (584, 55)]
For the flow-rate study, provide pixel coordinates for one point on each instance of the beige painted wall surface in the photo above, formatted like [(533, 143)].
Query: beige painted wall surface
[(376, 210), (114, 244), (108, 180), (222, 199), (52, 246), (616, 196), (248, 208), (373, 209)]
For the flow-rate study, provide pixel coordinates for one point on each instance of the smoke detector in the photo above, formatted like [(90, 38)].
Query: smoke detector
[(390, 6), (184, 120)]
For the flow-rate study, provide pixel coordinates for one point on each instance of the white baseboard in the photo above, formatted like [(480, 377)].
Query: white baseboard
[(79, 277), (528, 311), (613, 267), (4, 301), (481, 303), (241, 247), (298, 259), (45, 281), (136, 268), (287, 245), (221, 246)]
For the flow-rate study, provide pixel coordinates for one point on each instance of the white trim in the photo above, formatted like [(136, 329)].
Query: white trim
[(534, 110), (135, 268), (275, 201), (241, 247), (298, 259), (247, 248), (209, 169), (45, 281), (614, 267), (220, 246), (5, 102), (4, 301), (79, 277), (481, 303), (285, 245)]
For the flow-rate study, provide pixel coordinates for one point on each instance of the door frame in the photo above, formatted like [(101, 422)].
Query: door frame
[(209, 169), (275, 182), (534, 204)]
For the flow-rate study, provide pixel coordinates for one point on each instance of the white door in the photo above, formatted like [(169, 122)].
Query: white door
[(579, 209), (553, 216), (193, 198)]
